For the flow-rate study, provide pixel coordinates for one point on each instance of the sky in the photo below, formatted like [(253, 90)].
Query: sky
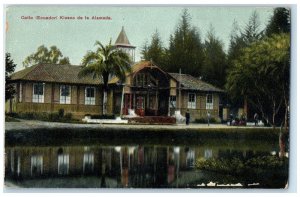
[(74, 37)]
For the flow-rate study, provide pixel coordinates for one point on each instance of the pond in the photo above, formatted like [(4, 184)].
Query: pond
[(145, 163)]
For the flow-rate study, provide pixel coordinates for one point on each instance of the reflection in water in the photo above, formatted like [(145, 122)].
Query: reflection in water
[(137, 166)]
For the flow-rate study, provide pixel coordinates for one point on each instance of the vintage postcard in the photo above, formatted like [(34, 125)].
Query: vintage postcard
[(147, 97)]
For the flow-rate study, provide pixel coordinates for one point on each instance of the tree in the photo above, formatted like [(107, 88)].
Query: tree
[(239, 40), (9, 69), (252, 32), (280, 22), (215, 63), (185, 48), (44, 55), (104, 62), (262, 75), (9, 87), (155, 51), (236, 43)]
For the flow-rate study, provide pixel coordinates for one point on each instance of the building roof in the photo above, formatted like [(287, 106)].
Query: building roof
[(122, 40), (55, 73), (135, 68), (189, 82)]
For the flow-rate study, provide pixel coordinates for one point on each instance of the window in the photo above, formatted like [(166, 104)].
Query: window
[(63, 164), (88, 162), (65, 94), (20, 92), (190, 159), (209, 101), (142, 80), (38, 93), (192, 101), (140, 102), (172, 102), (90, 96), (36, 165), (207, 153)]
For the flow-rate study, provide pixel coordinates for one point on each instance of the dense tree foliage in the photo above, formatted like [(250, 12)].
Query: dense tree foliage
[(262, 74), (185, 48), (155, 51), (9, 69), (280, 22), (215, 62), (45, 55), (104, 62)]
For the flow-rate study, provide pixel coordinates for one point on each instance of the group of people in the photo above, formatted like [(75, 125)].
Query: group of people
[(242, 120), (232, 120)]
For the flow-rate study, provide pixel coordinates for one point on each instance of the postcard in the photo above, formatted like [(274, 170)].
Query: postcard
[(146, 97)]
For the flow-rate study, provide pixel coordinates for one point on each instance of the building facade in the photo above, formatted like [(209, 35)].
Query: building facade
[(48, 88), (150, 91)]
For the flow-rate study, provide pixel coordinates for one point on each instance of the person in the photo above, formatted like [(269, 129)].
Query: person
[(231, 119), (208, 118), (255, 119), (187, 117)]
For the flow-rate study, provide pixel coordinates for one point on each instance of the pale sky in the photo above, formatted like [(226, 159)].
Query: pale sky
[(75, 37)]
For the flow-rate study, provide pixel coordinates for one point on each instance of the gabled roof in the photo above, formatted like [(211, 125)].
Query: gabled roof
[(55, 73), (137, 67), (122, 39), (189, 82)]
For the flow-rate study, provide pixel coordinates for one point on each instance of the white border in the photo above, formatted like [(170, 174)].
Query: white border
[(294, 107)]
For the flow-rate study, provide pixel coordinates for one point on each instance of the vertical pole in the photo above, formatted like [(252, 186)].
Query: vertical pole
[(122, 100), (52, 96), (179, 89)]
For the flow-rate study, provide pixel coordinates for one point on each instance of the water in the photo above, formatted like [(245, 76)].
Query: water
[(209, 163)]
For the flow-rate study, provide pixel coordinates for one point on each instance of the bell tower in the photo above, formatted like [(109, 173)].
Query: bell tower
[(123, 43)]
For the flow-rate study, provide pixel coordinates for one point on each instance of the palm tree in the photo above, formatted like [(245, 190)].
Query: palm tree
[(104, 62)]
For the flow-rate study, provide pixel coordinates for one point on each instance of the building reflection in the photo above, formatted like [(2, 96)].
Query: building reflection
[(129, 166)]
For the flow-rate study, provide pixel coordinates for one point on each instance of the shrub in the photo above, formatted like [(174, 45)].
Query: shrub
[(61, 113), (204, 120), (68, 116), (55, 117)]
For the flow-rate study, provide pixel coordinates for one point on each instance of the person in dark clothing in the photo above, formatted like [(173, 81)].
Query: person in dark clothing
[(208, 118), (187, 117), (255, 119), (230, 119)]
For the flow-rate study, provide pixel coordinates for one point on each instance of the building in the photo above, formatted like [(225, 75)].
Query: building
[(49, 87), (148, 90)]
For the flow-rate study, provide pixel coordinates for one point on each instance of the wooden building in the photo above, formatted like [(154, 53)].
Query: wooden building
[(150, 91), (50, 87)]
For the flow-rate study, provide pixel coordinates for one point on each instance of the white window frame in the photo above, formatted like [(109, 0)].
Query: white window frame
[(209, 105), (207, 153), (172, 103), (190, 158), (37, 161), (88, 159), (192, 104), (90, 100), (38, 98), (20, 92), (65, 99), (63, 159)]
